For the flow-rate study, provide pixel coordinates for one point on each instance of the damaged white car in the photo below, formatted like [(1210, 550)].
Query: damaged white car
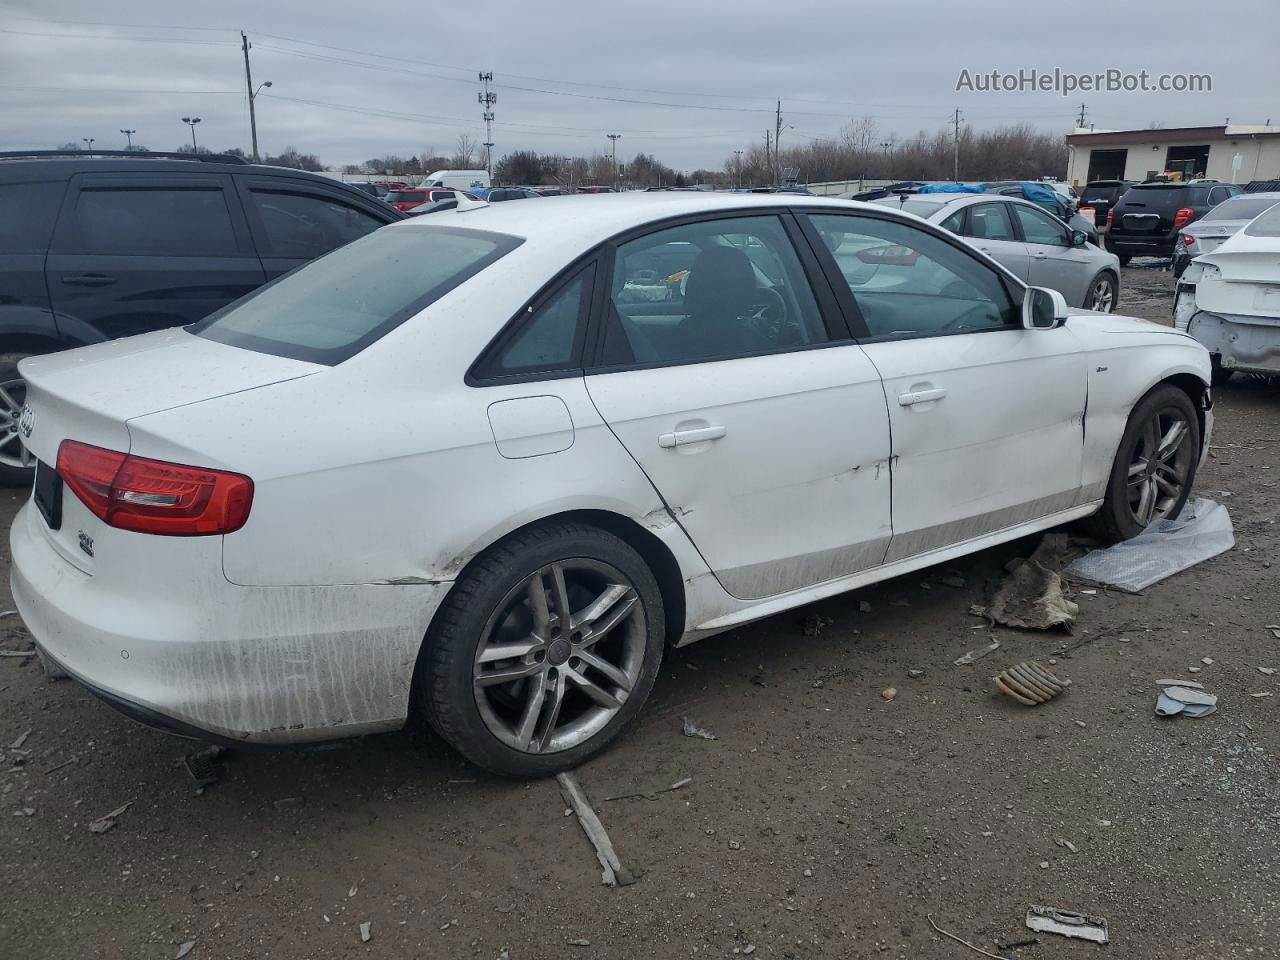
[(487, 464), (1229, 300)]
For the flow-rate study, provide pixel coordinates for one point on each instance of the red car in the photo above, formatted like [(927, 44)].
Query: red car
[(407, 199)]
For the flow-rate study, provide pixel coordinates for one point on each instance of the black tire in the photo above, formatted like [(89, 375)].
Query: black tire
[(1108, 280), (1220, 373), (446, 688), (1124, 258), (11, 474), (1115, 519)]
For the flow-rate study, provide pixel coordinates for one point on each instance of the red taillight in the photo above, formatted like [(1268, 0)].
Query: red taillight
[(152, 496), (1184, 216), (1110, 214), (1188, 239)]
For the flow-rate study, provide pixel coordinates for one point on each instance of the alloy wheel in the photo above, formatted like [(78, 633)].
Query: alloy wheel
[(13, 452), (1104, 295), (1160, 468), (560, 656)]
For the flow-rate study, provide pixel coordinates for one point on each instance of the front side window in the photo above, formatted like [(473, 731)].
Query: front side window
[(909, 282), (330, 309), (990, 221), (172, 221), (1039, 227), (713, 290), (306, 226)]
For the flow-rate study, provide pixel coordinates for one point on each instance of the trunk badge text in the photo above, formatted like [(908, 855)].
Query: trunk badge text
[(86, 542), (27, 421)]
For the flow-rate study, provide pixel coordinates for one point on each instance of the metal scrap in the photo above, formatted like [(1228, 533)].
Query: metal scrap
[(952, 936), (1186, 701), (652, 795), (107, 821), (613, 872), (977, 654), (1067, 923), (1029, 683), (691, 729)]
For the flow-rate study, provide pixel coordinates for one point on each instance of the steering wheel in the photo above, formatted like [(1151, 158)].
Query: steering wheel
[(767, 315)]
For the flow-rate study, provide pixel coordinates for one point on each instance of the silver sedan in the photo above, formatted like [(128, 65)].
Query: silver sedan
[(1037, 247), (1218, 225)]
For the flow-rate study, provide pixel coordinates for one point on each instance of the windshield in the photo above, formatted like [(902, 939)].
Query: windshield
[(1241, 208), (334, 307), (921, 208), (1267, 225)]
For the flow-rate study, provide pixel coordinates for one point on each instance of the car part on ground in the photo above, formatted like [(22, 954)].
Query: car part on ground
[(572, 417), (1029, 683)]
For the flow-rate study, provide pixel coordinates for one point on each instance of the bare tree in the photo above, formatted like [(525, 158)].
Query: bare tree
[(464, 151)]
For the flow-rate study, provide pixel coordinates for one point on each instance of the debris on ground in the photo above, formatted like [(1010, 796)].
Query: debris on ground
[(888, 693), (1031, 596), (977, 654), (1259, 696), (814, 622), (1029, 683), (184, 949), (613, 873), (365, 935), (1275, 630), (580, 942), (1267, 671), (22, 738), (203, 765), (865, 607), (651, 795), (1067, 844), (1188, 701), (915, 673), (691, 729), (107, 821), (1079, 926), (952, 579), (17, 653), (966, 943), (1203, 530)]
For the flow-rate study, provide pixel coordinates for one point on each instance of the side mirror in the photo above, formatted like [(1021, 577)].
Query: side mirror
[(1079, 238), (1043, 309)]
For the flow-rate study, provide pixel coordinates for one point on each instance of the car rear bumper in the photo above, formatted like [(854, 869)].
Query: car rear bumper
[(245, 664), (1142, 244), (1246, 344)]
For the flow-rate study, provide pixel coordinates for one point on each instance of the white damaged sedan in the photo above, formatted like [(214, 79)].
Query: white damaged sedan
[(485, 465)]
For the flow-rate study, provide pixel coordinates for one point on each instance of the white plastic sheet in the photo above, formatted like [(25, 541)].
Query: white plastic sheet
[(1166, 547)]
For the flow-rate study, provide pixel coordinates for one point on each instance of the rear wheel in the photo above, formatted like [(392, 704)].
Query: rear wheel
[(1102, 294), (1154, 467), (544, 650), (17, 465)]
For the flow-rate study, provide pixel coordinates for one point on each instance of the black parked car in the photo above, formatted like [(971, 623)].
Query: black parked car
[(106, 245), (1146, 221), (1102, 195)]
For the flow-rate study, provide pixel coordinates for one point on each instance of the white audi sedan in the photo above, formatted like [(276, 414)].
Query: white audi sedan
[(486, 465)]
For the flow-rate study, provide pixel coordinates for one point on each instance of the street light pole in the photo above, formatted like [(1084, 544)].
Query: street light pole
[(129, 135), (88, 142), (613, 137), (738, 155), (191, 122), (253, 94)]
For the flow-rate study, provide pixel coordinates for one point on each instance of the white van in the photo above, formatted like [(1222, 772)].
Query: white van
[(458, 179)]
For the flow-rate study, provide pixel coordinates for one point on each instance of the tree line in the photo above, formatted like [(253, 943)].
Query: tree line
[(861, 150)]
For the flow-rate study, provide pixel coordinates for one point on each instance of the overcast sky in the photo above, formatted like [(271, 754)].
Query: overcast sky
[(566, 73)]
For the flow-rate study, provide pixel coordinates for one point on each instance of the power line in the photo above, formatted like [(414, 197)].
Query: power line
[(116, 36)]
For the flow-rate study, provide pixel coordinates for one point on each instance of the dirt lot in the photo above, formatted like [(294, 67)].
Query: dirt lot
[(823, 821)]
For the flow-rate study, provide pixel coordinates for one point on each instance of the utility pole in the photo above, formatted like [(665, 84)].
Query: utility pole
[(613, 137), (487, 100), (955, 160), (1080, 119), (738, 163), (129, 136), (777, 145), (248, 82), (768, 163)]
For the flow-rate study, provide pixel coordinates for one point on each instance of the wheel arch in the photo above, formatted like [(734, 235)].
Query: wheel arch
[(1193, 387)]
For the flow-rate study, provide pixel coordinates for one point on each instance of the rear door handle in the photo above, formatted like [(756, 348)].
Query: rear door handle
[(920, 396), (89, 280), (680, 437), (1041, 256)]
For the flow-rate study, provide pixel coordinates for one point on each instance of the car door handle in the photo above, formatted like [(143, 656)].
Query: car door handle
[(697, 435), (1040, 256), (920, 396), (89, 280)]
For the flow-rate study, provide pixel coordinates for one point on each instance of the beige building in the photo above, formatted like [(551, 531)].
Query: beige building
[(1232, 153)]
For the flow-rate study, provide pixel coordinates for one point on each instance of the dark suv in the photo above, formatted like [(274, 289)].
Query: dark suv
[(1146, 221), (105, 245), (1101, 196)]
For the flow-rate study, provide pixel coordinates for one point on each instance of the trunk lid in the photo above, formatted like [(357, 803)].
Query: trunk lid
[(1245, 283)]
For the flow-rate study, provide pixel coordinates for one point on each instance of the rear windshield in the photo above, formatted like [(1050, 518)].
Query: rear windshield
[(1092, 194), (407, 196), (1164, 198), (1267, 225), (921, 208), (1240, 208), (334, 307)]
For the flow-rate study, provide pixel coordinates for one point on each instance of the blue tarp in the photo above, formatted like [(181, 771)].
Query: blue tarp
[(1039, 194), (948, 188)]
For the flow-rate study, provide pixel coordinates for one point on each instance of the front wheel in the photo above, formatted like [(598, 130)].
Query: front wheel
[(544, 650), (1102, 294), (1154, 467), (17, 465)]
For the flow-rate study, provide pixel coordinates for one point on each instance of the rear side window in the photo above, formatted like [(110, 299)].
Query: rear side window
[(549, 339), (305, 226), (1243, 207), (990, 221), (27, 213), (171, 221), (334, 307), (1267, 225)]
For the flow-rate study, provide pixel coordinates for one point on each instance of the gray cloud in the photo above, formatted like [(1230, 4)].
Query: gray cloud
[(687, 82)]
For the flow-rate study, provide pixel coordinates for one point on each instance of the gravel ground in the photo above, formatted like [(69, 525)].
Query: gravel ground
[(824, 821)]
